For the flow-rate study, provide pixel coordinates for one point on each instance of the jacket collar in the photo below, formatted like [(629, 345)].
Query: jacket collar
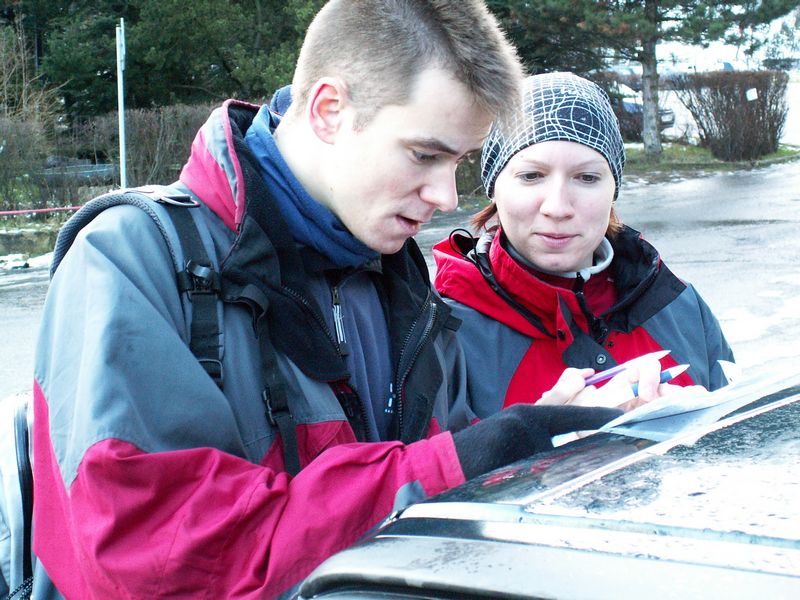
[(603, 256), (265, 269), (636, 266)]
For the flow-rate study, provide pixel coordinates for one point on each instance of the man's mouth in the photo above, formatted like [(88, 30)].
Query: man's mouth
[(410, 226)]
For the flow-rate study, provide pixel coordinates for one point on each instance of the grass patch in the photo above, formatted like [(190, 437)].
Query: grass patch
[(786, 152), (51, 222), (677, 157)]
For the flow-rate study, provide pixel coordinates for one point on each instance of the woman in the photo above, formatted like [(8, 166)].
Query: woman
[(556, 280)]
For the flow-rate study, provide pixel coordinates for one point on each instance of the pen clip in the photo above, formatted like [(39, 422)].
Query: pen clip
[(605, 375)]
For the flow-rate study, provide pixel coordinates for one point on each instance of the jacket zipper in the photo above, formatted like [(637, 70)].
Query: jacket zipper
[(344, 350), (338, 342), (338, 322), (314, 313), (397, 390), (597, 325)]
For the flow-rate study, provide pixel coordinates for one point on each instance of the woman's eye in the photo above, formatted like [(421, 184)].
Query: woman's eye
[(588, 178), (529, 176)]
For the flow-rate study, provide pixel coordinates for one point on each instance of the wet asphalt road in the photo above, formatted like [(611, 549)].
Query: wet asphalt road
[(735, 236), (21, 296)]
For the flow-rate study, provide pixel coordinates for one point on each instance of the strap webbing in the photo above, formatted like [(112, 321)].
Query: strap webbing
[(275, 394), (202, 283), (481, 261), (276, 402), (25, 485)]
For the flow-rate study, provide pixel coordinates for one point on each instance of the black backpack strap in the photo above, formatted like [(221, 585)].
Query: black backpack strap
[(26, 493), (276, 403), (202, 283), (275, 394), (481, 261), (196, 275), (477, 252)]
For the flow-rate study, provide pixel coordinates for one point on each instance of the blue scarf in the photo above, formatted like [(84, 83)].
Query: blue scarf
[(310, 223)]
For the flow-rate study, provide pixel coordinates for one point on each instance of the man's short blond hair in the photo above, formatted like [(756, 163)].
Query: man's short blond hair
[(377, 47)]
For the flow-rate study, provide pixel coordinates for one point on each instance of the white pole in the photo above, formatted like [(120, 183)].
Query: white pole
[(123, 175)]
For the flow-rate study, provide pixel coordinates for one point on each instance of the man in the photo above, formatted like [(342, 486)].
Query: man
[(151, 480)]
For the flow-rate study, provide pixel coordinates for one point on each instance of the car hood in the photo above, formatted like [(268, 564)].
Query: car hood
[(715, 509)]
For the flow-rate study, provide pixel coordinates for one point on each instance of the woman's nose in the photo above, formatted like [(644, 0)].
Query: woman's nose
[(556, 201)]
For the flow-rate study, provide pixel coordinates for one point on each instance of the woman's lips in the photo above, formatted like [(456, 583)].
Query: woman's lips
[(555, 240)]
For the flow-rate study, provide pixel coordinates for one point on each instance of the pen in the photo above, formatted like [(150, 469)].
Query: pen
[(609, 373), (666, 375)]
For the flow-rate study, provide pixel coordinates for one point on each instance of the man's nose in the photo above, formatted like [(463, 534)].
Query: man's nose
[(440, 190)]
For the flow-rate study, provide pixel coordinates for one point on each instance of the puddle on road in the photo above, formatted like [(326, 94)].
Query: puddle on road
[(653, 227), (741, 222)]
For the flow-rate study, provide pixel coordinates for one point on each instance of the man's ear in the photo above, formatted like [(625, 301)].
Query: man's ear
[(326, 108)]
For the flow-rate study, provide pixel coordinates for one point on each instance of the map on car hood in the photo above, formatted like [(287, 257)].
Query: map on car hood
[(694, 407)]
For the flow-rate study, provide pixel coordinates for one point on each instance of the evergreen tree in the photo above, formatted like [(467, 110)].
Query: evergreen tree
[(631, 29), (176, 51)]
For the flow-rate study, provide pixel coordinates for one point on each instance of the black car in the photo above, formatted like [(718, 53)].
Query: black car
[(711, 512), (629, 108)]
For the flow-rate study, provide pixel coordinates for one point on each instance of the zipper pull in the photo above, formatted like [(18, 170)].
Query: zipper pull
[(579, 283), (338, 322), (390, 405)]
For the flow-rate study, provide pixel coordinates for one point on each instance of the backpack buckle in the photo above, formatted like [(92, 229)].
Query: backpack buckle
[(213, 367), (202, 278), (183, 200)]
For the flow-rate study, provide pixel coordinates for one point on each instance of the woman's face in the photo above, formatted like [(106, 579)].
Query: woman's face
[(554, 203)]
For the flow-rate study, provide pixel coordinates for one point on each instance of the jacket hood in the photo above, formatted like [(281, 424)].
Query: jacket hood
[(213, 172)]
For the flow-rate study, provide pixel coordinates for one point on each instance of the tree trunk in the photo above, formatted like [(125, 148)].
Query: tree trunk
[(651, 131)]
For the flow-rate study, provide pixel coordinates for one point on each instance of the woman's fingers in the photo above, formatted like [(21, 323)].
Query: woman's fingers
[(568, 387), (646, 373)]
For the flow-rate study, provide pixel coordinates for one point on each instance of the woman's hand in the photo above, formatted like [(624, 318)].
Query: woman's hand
[(646, 373), (571, 387)]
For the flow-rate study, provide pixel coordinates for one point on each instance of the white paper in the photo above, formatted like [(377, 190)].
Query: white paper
[(688, 409)]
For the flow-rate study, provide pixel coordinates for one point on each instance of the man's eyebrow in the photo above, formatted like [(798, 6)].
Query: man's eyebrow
[(433, 144)]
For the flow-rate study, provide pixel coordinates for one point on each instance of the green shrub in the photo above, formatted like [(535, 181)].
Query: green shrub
[(468, 176), (740, 115), (22, 153), (157, 140)]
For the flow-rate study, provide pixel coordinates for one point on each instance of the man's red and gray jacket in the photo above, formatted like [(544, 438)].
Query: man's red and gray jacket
[(150, 481)]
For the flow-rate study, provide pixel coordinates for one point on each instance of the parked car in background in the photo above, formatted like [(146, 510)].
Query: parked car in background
[(626, 72), (711, 513), (629, 108)]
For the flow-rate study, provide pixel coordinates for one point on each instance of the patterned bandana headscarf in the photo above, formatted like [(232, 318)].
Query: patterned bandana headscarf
[(557, 106)]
